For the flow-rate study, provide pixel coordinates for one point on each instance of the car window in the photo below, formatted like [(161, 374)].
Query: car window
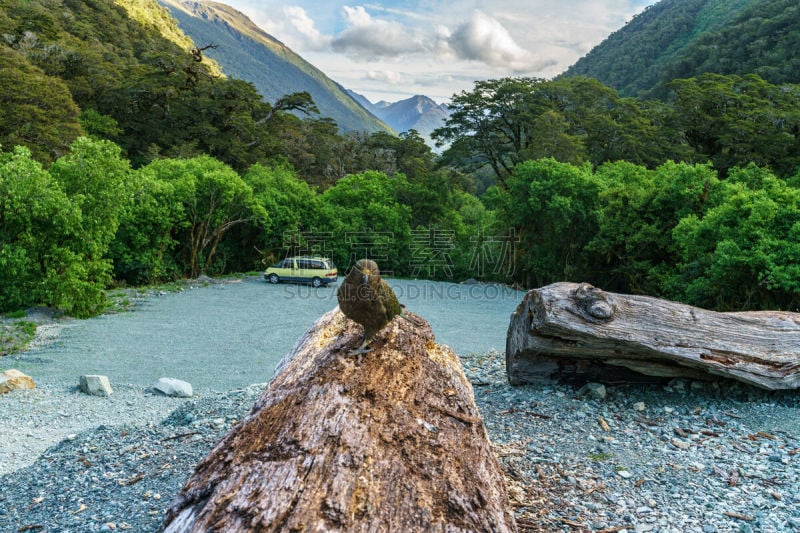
[(302, 263), (287, 263)]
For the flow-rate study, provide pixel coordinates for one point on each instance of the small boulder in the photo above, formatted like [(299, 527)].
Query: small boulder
[(15, 380), (594, 390), (95, 385), (173, 387)]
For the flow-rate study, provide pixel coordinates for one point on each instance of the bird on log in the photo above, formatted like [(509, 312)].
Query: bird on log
[(367, 299)]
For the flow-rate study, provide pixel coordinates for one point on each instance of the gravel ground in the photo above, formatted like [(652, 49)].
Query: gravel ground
[(120, 475), (683, 457), (41, 417)]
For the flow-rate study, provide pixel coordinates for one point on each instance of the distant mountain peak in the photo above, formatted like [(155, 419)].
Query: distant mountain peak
[(419, 112)]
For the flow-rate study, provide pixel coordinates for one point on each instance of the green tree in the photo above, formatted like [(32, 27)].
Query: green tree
[(633, 250), (612, 128), (292, 205), (99, 126), (145, 248), (733, 121), (214, 199), (363, 216), (502, 123), (491, 125), (743, 253), (551, 137), (55, 227), (470, 222), (407, 154), (551, 206), (36, 218), (95, 177), (36, 110)]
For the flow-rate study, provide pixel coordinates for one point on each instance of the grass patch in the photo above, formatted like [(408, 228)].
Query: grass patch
[(20, 313), (15, 337), (172, 286), (599, 457), (28, 328)]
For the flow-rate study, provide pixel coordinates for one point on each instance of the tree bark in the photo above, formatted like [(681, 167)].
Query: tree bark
[(576, 332), (386, 441)]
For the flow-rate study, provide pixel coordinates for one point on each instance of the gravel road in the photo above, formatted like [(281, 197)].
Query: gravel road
[(228, 335)]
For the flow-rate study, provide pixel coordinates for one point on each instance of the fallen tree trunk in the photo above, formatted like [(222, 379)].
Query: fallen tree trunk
[(387, 441), (576, 332)]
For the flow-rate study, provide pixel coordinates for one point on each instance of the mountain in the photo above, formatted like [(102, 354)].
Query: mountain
[(362, 100), (245, 51), (418, 113), (684, 38)]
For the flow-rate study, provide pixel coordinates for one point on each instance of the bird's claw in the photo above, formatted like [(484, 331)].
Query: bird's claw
[(360, 350)]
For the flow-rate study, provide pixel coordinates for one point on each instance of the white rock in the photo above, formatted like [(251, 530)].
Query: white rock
[(95, 385), (173, 387), (13, 379), (638, 406)]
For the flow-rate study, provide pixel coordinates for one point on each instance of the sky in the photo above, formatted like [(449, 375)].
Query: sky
[(392, 50)]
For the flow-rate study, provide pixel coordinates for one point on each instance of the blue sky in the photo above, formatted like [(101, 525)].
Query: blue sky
[(390, 50)]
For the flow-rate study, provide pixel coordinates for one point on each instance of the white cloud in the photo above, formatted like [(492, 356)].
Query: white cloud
[(384, 76), (300, 21), (368, 38), (438, 47), (484, 38)]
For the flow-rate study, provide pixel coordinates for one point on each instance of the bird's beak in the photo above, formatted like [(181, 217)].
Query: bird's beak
[(364, 277)]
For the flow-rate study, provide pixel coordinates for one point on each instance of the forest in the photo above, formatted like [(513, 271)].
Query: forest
[(675, 39), (127, 160)]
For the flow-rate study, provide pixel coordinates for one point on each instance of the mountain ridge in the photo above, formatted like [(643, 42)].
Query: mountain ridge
[(419, 112), (247, 52), (685, 38)]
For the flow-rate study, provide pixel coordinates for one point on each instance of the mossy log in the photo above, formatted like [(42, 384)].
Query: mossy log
[(578, 333), (387, 441)]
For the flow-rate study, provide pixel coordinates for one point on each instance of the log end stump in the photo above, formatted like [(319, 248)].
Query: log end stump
[(574, 333), (390, 440)]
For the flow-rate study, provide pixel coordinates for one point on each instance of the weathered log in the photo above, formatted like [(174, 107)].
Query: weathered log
[(575, 333), (386, 441)]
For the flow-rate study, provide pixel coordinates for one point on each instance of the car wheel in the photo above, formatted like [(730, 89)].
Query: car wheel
[(316, 282), (273, 278)]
